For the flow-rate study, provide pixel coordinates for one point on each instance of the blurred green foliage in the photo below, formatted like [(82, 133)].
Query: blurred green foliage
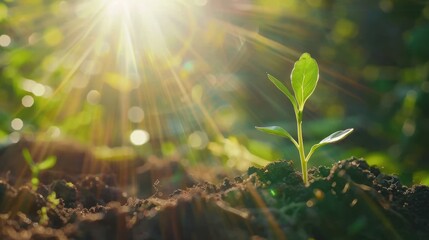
[(373, 57)]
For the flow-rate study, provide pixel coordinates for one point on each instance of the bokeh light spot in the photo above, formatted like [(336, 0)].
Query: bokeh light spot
[(189, 66), (28, 85), (309, 203), (139, 137), (54, 132), (48, 91), (14, 137), (198, 140), (93, 97), (135, 114), (27, 101), (17, 124), (344, 29), (38, 89), (53, 36), (33, 38), (120, 82), (5, 40)]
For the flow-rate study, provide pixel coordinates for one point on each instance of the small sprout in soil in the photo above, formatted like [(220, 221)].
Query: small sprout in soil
[(52, 199), (304, 77), (43, 216), (52, 202), (37, 167)]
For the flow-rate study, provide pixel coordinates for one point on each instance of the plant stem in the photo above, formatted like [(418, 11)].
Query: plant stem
[(34, 178), (301, 148)]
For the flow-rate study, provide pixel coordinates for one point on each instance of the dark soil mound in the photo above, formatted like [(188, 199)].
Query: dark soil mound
[(349, 201)]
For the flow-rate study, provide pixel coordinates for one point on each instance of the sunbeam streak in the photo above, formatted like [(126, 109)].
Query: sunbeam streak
[(108, 58)]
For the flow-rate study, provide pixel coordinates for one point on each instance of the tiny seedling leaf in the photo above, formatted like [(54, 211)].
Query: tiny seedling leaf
[(336, 136), (279, 131), (27, 157), (52, 198), (47, 163), (283, 89), (304, 76)]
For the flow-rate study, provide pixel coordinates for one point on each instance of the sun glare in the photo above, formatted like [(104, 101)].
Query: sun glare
[(130, 65), (116, 52), (140, 23), (139, 137), (159, 66)]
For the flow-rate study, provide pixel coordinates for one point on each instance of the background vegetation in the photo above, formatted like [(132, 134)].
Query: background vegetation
[(188, 78)]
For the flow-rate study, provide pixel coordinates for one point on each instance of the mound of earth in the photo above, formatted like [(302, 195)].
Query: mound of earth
[(350, 200)]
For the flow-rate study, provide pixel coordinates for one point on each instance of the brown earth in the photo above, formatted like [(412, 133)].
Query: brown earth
[(350, 200)]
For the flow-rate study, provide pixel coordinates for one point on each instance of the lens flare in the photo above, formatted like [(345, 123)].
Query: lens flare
[(139, 137), (171, 67), (17, 124)]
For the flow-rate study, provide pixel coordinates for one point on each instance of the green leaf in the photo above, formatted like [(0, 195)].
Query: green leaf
[(27, 157), (334, 137), (304, 77), (275, 130), (47, 163), (52, 198), (284, 90)]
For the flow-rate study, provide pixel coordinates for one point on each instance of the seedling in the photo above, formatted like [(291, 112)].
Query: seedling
[(37, 167), (43, 216), (52, 199), (52, 202), (304, 77)]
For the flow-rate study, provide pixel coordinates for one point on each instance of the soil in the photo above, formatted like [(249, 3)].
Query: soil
[(350, 200)]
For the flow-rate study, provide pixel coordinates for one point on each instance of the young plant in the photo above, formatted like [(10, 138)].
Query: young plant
[(37, 167), (51, 203), (304, 77)]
